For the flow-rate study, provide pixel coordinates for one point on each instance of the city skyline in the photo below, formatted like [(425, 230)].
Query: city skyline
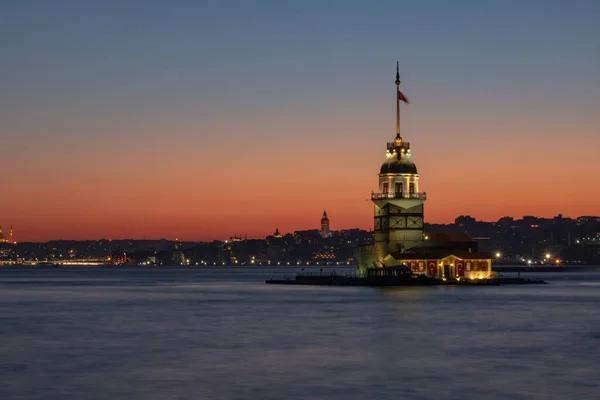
[(195, 121), (277, 232)]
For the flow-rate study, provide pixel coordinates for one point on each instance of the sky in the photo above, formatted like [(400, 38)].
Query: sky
[(204, 119)]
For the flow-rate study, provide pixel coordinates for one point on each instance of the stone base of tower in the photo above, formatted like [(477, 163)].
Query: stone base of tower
[(377, 255), (396, 241), (365, 258)]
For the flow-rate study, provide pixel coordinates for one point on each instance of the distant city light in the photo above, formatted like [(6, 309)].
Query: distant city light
[(498, 255)]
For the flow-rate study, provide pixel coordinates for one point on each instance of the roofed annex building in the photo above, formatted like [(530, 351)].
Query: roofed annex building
[(399, 211)]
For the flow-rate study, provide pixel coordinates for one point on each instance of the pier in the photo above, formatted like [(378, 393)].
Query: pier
[(391, 277)]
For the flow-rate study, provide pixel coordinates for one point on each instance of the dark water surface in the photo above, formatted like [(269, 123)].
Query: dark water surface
[(224, 334)]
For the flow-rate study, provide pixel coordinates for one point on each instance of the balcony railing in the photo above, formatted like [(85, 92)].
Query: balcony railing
[(392, 145), (414, 196)]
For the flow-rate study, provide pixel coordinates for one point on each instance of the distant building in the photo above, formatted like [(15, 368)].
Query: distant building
[(312, 236), (178, 258), (587, 219), (325, 232), (4, 239), (464, 220), (399, 238)]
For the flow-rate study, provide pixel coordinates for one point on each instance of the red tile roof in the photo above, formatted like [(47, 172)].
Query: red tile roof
[(436, 254)]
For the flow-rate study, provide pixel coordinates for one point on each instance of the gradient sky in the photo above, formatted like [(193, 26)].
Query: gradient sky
[(201, 119)]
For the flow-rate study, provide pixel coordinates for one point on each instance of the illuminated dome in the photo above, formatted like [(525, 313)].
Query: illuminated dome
[(393, 165)]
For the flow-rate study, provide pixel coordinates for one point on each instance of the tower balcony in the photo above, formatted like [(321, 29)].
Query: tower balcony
[(392, 146), (400, 195)]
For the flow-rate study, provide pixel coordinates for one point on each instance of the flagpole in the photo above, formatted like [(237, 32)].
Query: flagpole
[(397, 100)]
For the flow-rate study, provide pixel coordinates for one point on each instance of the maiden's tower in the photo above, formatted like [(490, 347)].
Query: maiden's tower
[(398, 235)]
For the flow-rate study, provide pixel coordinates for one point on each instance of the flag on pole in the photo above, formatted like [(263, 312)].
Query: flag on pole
[(402, 97)]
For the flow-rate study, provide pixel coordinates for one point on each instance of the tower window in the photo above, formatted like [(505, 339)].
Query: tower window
[(398, 188), (412, 188), (385, 188)]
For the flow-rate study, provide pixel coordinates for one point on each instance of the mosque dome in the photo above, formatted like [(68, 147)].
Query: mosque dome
[(393, 165)]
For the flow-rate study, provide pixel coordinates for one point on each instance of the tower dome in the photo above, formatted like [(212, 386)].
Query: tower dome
[(393, 165)]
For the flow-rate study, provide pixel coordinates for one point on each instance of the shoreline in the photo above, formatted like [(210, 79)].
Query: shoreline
[(500, 269)]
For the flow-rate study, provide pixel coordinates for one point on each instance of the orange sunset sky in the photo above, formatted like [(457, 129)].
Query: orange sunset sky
[(196, 122)]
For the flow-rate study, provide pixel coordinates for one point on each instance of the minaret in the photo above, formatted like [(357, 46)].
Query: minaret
[(325, 233), (10, 236), (398, 212)]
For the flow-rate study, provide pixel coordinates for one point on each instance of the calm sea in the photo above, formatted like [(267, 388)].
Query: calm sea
[(224, 334)]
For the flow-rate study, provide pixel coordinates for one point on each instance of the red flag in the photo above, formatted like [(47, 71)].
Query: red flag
[(402, 97), (432, 268), (460, 268)]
